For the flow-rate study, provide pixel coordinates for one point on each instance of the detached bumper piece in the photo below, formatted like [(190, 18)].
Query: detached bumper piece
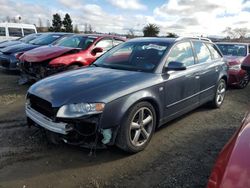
[(47, 123)]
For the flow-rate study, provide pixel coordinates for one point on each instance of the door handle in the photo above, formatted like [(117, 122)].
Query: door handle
[(216, 69), (197, 77)]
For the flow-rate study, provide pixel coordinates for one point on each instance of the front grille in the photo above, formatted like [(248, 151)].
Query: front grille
[(42, 106)]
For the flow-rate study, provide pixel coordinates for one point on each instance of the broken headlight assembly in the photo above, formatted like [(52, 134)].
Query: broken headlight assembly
[(80, 109)]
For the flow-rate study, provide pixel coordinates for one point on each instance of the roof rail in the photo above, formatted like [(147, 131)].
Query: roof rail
[(198, 38)]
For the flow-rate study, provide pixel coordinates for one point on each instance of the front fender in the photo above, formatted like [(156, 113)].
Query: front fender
[(116, 110)]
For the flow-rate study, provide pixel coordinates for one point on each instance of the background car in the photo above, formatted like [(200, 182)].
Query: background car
[(12, 31), (246, 64), (128, 92), (9, 55), (235, 54), (232, 167), (25, 39), (67, 53)]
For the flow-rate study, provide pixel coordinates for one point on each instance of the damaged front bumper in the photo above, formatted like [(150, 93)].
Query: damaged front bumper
[(82, 132), (36, 71)]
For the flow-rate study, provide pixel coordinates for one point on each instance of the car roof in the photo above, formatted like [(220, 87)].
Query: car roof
[(239, 43), (99, 36), (168, 39), (153, 39)]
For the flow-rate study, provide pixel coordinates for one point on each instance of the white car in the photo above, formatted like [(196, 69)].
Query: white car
[(12, 31)]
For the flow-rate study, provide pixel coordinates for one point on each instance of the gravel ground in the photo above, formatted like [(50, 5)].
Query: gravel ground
[(181, 153)]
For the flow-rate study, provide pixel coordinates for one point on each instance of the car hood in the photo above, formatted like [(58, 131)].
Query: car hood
[(233, 60), (46, 52), (91, 84), (18, 48), (9, 43), (232, 168)]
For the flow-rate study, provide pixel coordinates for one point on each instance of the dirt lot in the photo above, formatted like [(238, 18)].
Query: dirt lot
[(181, 154)]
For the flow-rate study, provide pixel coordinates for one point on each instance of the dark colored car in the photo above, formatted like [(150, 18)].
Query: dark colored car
[(128, 92), (232, 167), (235, 54), (68, 53), (9, 55), (25, 39)]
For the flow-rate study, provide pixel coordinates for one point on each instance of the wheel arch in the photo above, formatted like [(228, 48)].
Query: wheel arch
[(76, 63)]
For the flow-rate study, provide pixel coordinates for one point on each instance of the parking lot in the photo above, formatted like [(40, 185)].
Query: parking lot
[(181, 153)]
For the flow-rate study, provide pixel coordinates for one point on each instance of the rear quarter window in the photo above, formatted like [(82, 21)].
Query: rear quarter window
[(28, 31), (202, 51), (214, 51), (15, 32), (2, 31)]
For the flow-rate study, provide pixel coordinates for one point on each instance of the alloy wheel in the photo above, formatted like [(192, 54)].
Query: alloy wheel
[(221, 90), (243, 83), (141, 126)]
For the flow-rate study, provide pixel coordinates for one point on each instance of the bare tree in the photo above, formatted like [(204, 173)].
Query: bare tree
[(229, 32), (8, 19), (90, 28), (40, 23), (241, 32)]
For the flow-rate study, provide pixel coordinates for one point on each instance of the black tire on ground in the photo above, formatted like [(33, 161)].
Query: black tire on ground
[(244, 82), (219, 94), (137, 128)]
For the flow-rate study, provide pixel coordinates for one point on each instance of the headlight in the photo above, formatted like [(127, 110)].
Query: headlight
[(80, 109), (235, 67)]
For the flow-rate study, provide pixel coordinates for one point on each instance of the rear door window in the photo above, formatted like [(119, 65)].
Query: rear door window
[(105, 44), (15, 32), (2, 31), (214, 51), (182, 53), (28, 31), (202, 51), (116, 42)]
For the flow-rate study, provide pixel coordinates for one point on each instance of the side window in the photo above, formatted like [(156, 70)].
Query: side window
[(28, 31), (105, 44), (182, 53), (202, 52), (116, 42), (15, 32), (2, 31), (214, 51)]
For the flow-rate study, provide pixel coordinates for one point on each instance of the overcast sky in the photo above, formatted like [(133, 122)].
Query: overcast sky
[(184, 17)]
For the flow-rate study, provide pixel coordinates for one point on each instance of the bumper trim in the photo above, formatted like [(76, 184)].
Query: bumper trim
[(46, 122)]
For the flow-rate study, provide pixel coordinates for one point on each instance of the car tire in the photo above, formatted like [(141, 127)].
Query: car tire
[(219, 94), (137, 128), (244, 82)]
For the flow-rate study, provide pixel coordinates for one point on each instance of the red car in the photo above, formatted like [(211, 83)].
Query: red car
[(69, 53), (235, 54), (246, 64), (232, 168)]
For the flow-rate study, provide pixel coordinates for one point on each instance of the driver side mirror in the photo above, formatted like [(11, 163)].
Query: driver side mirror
[(96, 50), (176, 66)]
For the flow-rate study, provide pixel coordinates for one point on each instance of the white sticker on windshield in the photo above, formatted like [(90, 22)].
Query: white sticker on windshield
[(154, 46)]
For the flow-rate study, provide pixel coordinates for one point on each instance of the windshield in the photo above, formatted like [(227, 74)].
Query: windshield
[(29, 38), (45, 39), (134, 56), (233, 49), (76, 42)]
